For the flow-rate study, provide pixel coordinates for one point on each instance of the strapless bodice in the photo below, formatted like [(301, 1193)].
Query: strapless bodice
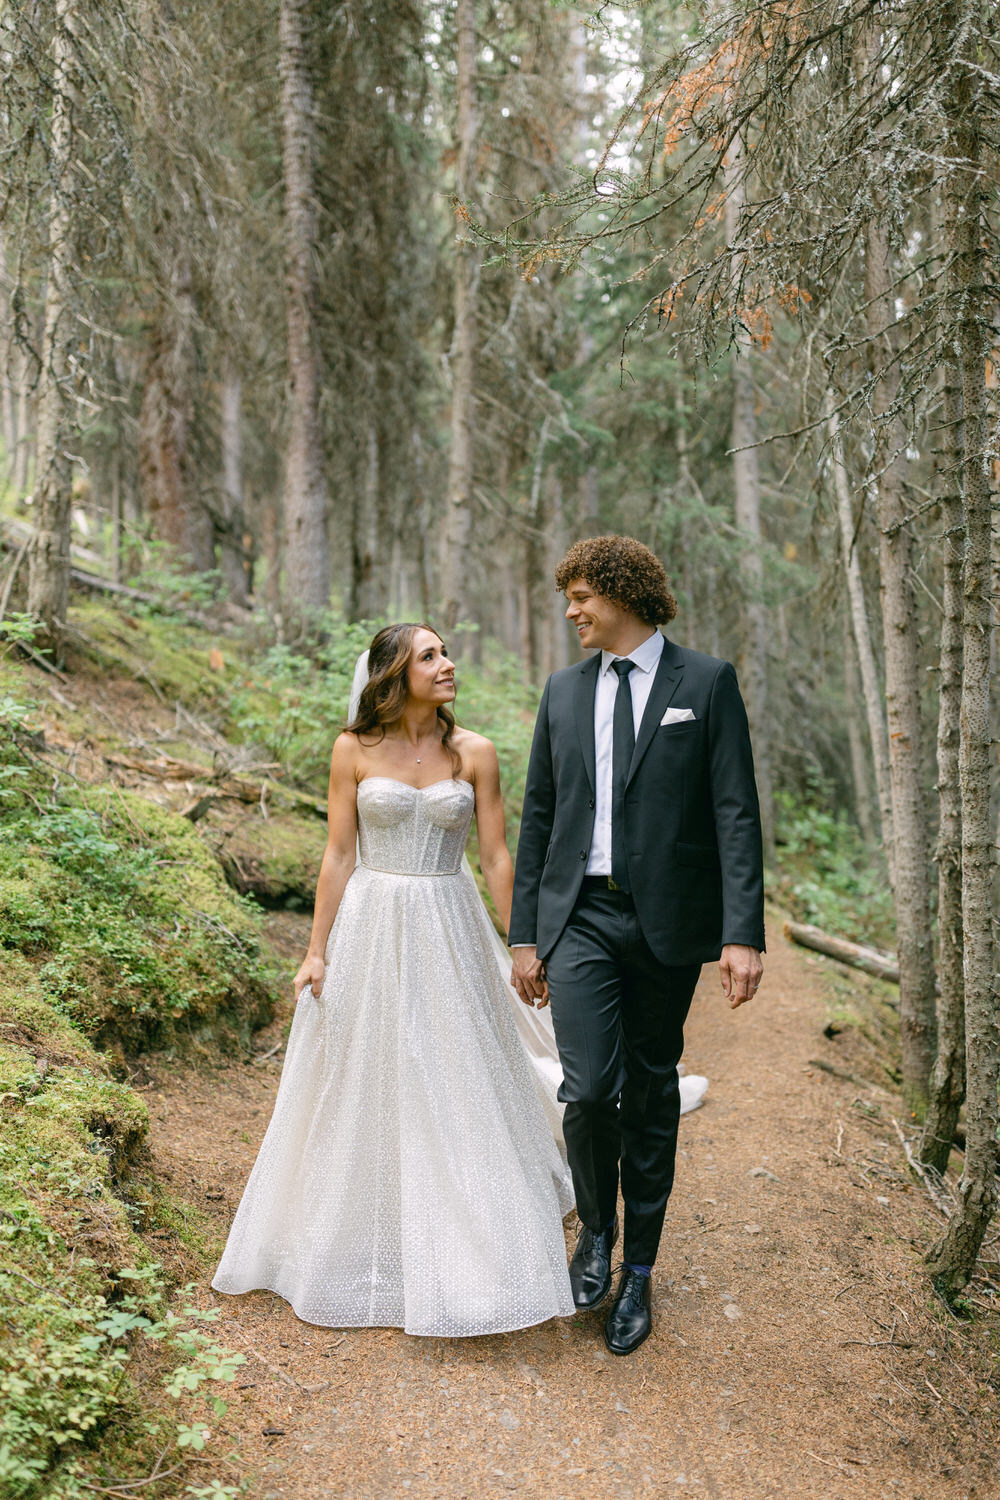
[(408, 830)]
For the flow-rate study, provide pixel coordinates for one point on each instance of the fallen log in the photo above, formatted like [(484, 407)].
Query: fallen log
[(870, 960), (223, 782)]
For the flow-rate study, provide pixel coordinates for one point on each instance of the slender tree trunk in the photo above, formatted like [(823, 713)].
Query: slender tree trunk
[(752, 663), (8, 408), (48, 554), (232, 557), (559, 654), (532, 636), (23, 453), (115, 485), (953, 1258), (871, 692), (369, 559), (458, 497), (857, 742), (307, 555), (910, 863), (948, 1079)]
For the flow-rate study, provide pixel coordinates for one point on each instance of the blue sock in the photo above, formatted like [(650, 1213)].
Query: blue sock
[(639, 1270)]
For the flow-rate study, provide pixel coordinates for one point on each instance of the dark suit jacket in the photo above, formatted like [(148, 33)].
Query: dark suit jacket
[(692, 820)]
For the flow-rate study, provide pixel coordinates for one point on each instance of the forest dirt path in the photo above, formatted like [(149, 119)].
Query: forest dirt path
[(797, 1350)]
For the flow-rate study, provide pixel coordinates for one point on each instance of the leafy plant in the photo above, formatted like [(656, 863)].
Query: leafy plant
[(826, 872)]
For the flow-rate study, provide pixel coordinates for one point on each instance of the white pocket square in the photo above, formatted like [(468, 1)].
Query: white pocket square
[(677, 716)]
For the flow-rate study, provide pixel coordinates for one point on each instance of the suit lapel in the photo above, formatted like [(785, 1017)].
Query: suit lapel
[(665, 684), (585, 690)]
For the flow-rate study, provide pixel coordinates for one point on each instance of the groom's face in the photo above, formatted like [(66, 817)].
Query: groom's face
[(597, 620)]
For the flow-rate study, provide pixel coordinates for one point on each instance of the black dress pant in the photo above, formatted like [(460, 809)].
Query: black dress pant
[(619, 1016)]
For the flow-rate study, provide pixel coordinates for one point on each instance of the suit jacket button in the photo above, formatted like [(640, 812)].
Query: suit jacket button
[(583, 854), (591, 802)]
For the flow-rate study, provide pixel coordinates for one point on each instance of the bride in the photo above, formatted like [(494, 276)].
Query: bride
[(408, 1177)]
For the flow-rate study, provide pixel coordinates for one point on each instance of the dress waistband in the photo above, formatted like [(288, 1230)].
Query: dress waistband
[(411, 874)]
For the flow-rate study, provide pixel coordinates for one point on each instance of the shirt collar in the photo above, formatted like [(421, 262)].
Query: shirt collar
[(645, 656)]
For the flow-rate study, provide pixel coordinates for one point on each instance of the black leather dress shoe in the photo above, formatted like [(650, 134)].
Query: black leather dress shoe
[(590, 1268), (630, 1320)]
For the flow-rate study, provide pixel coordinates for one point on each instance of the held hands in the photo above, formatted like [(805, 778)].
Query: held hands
[(741, 971), (311, 973), (528, 977)]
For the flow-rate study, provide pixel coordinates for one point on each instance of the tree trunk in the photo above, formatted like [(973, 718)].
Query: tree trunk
[(458, 497), (752, 662), (8, 409), (48, 554), (232, 554), (370, 550), (948, 1079), (169, 492), (859, 749), (910, 863), (532, 635), (952, 1260), (25, 445), (307, 556), (559, 648), (870, 690)]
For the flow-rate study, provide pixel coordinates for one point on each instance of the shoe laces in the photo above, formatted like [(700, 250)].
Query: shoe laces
[(633, 1290)]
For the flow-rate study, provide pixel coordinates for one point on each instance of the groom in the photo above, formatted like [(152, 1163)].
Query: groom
[(639, 860)]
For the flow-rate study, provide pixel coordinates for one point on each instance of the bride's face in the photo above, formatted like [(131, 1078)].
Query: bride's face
[(430, 676)]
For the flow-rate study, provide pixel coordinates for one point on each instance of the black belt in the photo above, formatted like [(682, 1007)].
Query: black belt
[(603, 883)]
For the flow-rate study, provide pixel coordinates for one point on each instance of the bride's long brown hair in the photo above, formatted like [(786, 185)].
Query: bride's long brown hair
[(384, 695)]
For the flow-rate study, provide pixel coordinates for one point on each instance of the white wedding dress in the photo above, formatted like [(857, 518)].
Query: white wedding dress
[(410, 1175)]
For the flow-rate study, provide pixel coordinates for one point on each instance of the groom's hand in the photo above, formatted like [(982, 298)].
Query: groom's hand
[(741, 971), (528, 977)]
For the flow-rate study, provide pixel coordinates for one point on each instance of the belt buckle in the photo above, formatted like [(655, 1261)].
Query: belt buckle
[(612, 884)]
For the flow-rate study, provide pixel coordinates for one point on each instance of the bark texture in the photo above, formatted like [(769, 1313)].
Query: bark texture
[(752, 662), (871, 691), (169, 492), (232, 528), (48, 554), (948, 1080), (952, 1260), (910, 863), (307, 554), (458, 496)]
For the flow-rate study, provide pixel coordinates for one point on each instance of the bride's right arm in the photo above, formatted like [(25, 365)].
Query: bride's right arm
[(339, 858)]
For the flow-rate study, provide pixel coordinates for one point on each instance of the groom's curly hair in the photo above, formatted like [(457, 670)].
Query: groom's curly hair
[(624, 571)]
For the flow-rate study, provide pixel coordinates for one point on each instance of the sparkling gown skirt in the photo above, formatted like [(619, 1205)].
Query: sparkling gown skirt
[(408, 1177)]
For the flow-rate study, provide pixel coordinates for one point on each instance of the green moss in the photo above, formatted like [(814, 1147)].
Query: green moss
[(275, 859), (78, 1287), (137, 937), (70, 1136), (162, 650)]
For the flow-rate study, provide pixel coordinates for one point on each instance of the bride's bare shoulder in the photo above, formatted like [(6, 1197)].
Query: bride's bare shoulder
[(471, 743), (346, 752), (478, 753)]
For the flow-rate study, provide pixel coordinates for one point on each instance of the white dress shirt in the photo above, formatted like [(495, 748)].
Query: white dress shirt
[(647, 659)]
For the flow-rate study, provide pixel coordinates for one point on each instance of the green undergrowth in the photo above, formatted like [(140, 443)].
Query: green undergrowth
[(131, 928), (80, 1294), (827, 875), (286, 704)]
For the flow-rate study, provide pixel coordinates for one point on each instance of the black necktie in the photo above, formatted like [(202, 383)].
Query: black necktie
[(622, 745)]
